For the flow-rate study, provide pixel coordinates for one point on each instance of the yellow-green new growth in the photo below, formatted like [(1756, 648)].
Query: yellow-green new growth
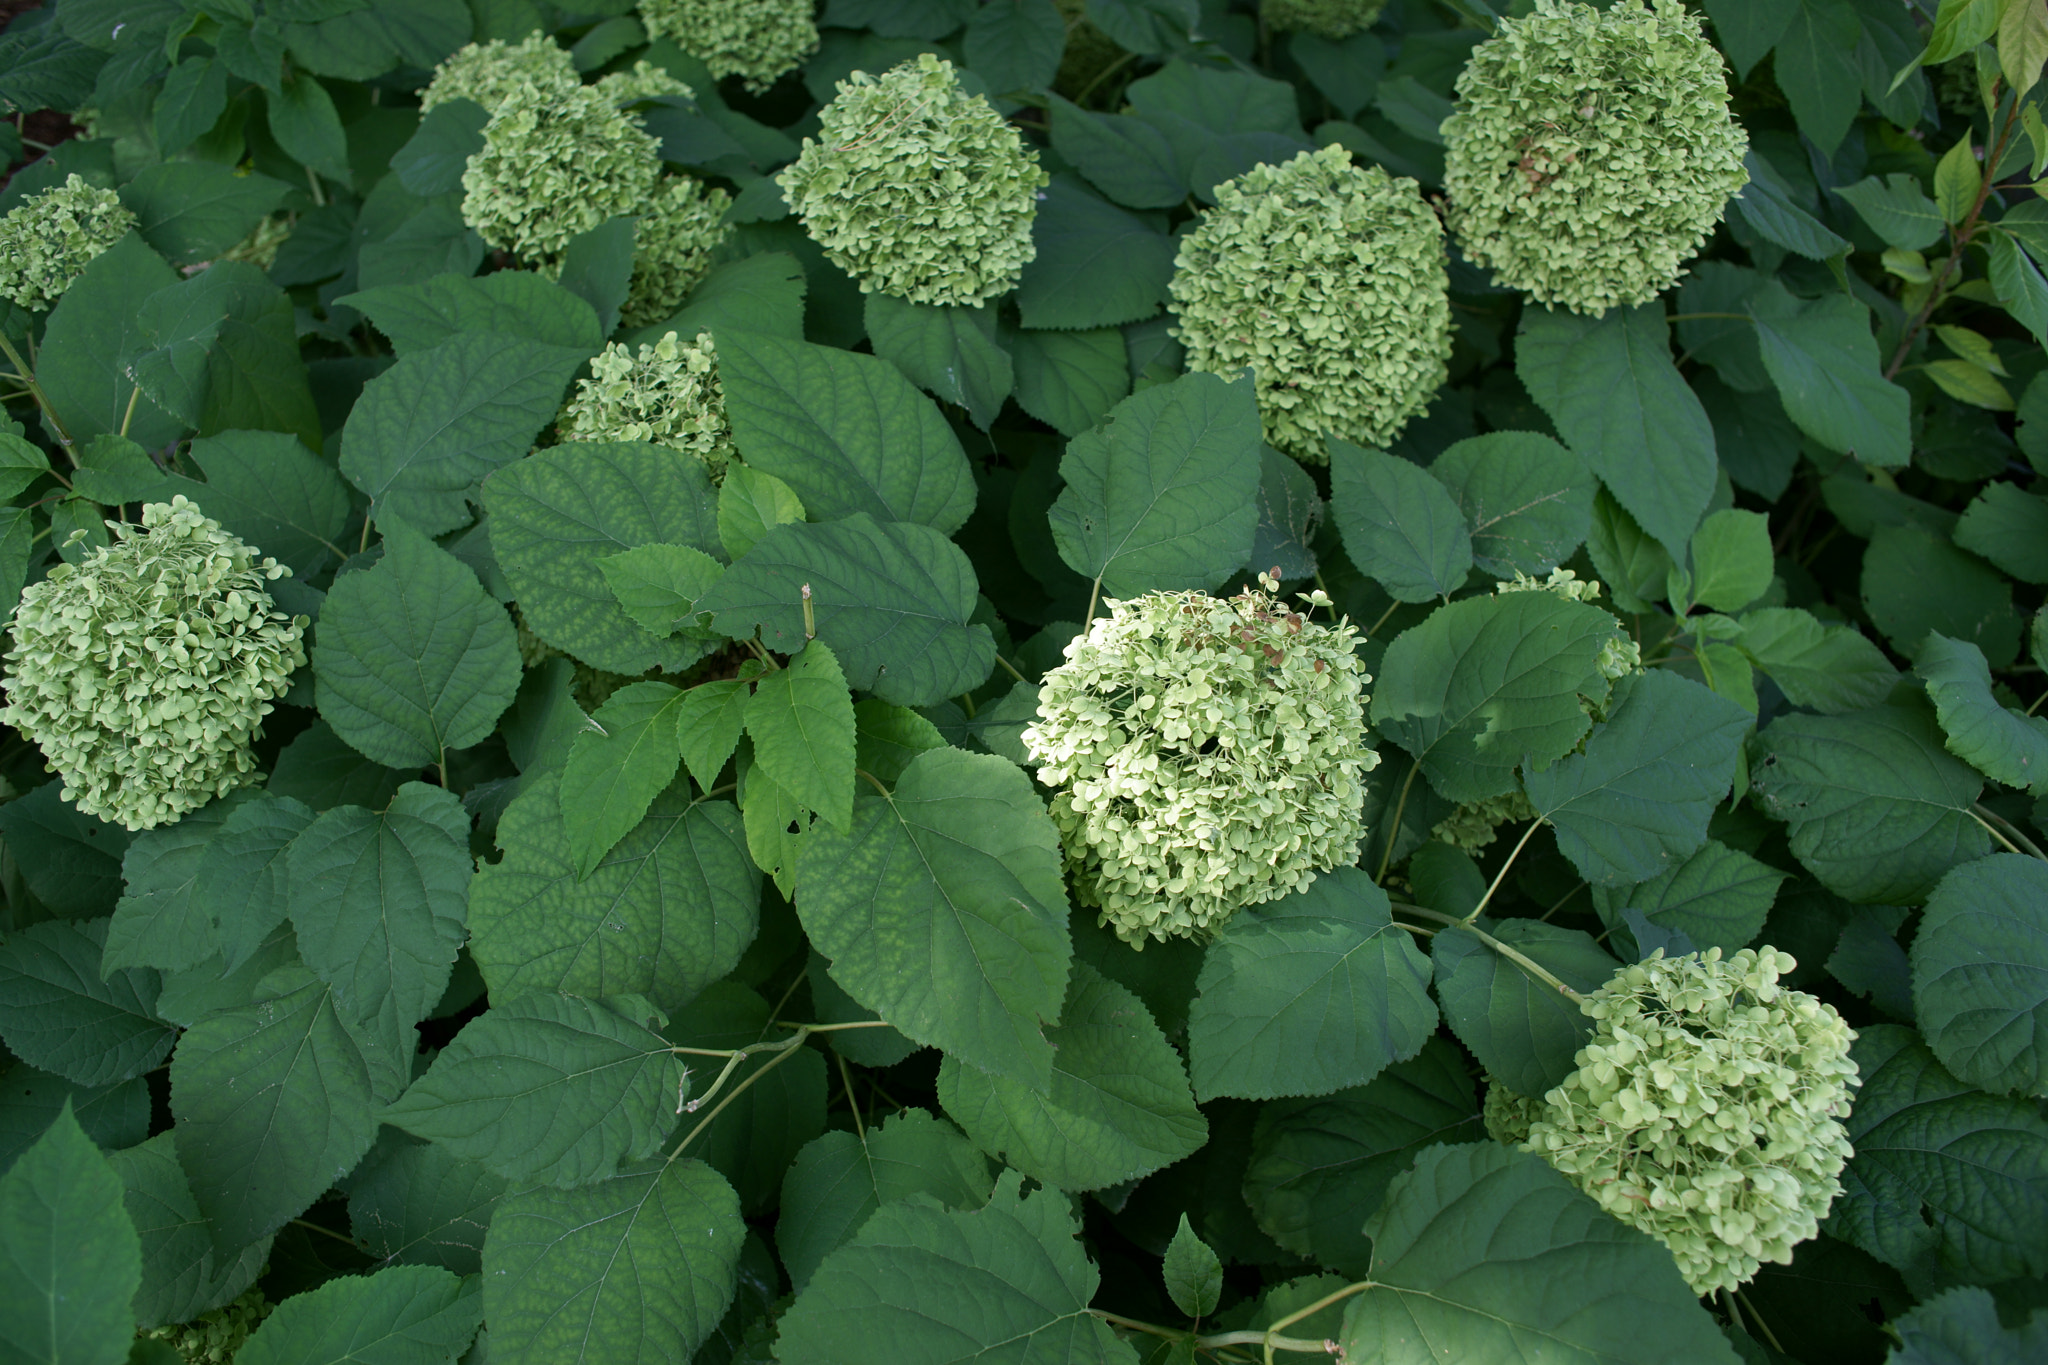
[(668, 394), (1329, 281), (489, 72), (1591, 152), (145, 671), (556, 162), (1707, 1110), (1332, 19), (756, 40), (672, 249), (48, 240), (918, 189), (1204, 755)]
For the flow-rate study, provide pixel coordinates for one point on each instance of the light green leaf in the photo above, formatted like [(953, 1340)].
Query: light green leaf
[(1878, 810), (1320, 1167), (752, 503), (893, 600), (1308, 994), (242, 873), (945, 911), (426, 431), (801, 721), (420, 1204), (413, 657), (378, 901), (512, 303), (2009, 527), (1194, 1274), (1096, 265), (1956, 178), (950, 352), (271, 1101), (1823, 358), (618, 765), (552, 1089), (56, 1013), (73, 1260), (1070, 380), (839, 1179), (659, 585), (632, 1271), (181, 1275), (1718, 897), (1161, 497), (709, 720), (556, 516), (1731, 560), (2006, 745), (1897, 210), (847, 432), (1915, 582), (1830, 669), (1980, 974), (666, 913), (1618, 401), (929, 1285), (2017, 280), (158, 922), (1528, 500), (1960, 25), (1945, 1177), (1400, 526), (401, 1315), (1491, 1248), (1487, 683), (1640, 794), (1118, 1108)]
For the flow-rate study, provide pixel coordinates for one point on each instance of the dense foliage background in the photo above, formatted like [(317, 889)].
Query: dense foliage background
[(403, 1040)]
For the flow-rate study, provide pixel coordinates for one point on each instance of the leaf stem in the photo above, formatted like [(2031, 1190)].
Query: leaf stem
[(1394, 825), (1993, 821), (1103, 75), (782, 1052), (1374, 628), (1094, 592), (1501, 875), (127, 417), (1758, 1318), (1521, 960), (1011, 669), (873, 781), (1273, 1340), (28, 378), (315, 1227), (860, 1130)]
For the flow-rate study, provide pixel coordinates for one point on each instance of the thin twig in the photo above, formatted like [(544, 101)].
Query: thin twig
[(1502, 875), (1521, 960), (1394, 825), (1987, 817)]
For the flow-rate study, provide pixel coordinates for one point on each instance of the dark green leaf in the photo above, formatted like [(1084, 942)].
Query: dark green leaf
[(945, 911), (1016, 44), (513, 303), (420, 1204), (191, 211), (114, 1116), (1528, 500), (1194, 1275), (432, 162), (1290, 514), (1731, 560), (598, 268), (2009, 527), (1308, 994), (619, 763), (1980, 973), (1127, 158), (195, 94), (1878, 810), (1831, 669), (801, 721), (93, 335), (57, 1014), (1718, 897), (1824, 360), (763, 294), (274, 493), (1816, 65), (777, 1108), (1097, 266), (1766, 206), (1400, 526), (1914, 583), (2000, 742), (181, 1275), (401, 1315), (241, 878), (950, 353), (1897, 210), (1118, 1109), (73, 1261), (1962, 1327), (158, 922), (70, 860), (413, 657), (1522, 1031), (303, 120)]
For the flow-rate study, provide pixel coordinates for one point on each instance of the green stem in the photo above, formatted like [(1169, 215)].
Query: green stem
[(860, 1129), (783, 1052), (873, 781), (1769, 1336), (1374, 629), (1993, 821), (1011, 669), (28, 378), (1103, 75), (1274, 1340), (1526, 963), (1094, 592), (1501, 875), (129, 416), (1394, 826)]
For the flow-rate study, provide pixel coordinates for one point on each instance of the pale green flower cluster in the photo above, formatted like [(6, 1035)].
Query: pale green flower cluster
[(1618, 655), (1591, 152), (645, 81), (756, 40), (1328, 280), (556, 161), (1473, 827), (1707, 1110), (678, 232), (46, 241), (1204, 755), (145, 671), (1508, 1114), (216, 1338), (918, 189), (259, 248), (1332, 19), (668, 394), (488, 73)]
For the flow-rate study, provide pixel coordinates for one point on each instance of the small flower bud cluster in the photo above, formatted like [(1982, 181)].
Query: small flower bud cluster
[(1473, 827), (47, 241), (672, 249), (145, 671), (1707, 1110), (487, 73), (918, 189), (1204, 755), (645, 81), (1328, 280), (668, 394), (216, 1338), (556, 162), (1332, 19), (1508, 1114), (1591, 152), (756, 40)]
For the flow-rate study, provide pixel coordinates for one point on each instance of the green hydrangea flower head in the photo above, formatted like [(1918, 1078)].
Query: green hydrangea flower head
[(1591, 151), (756, 40), (144, 671), (918, 189), (1204, 755), (645, 81), (47, 241), (215, 1338), (1508, 1114), (1475, 826), (488, 73), (556, 162), (1328, 280), (667, 393), (1332, 19), (1707, 1110), (678, 231)]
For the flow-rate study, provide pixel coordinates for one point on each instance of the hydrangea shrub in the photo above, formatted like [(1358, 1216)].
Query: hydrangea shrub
[(47, 241), (556, 162), (677, 233), (756, 40)]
